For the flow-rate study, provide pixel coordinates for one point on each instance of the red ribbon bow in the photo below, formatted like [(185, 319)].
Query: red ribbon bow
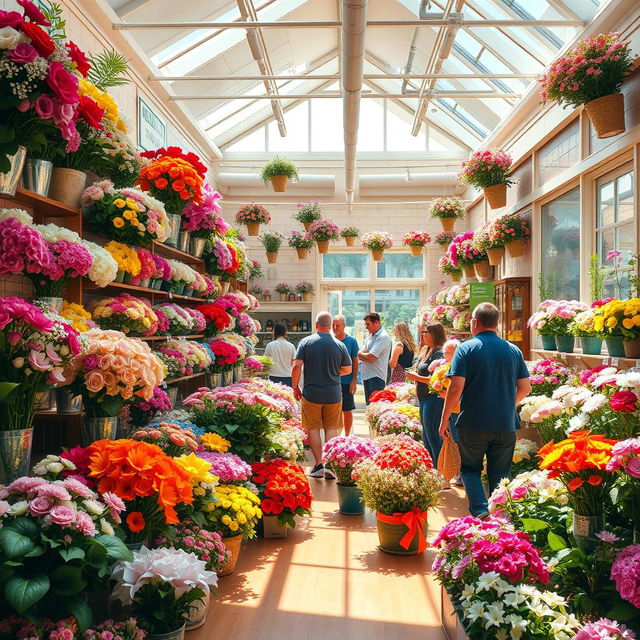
[(415, 521)]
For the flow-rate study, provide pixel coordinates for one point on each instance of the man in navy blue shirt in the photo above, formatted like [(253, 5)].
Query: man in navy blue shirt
[(349, 382), (488, 378)]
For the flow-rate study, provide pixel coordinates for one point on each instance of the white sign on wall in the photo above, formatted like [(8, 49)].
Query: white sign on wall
[(152, 128)]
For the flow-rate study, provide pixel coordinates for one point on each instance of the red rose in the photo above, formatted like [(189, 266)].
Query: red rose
[(40, 39), (33, 13), (77, 55), (63, 83), (626, 401), (90, 112), (10, 19)]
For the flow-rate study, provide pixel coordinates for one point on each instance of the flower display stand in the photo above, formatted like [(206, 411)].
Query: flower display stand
[(451, 624)]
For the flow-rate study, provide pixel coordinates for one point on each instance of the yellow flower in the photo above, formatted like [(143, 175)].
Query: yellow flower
[(226, 520), (233, 526), (196, 468), (198, 491), (242, 518), (128, 214), (628, 323), (612, 322), (134, 221), (118, 223), (120, 203), (214, 442), (598, 324), (132, 204)]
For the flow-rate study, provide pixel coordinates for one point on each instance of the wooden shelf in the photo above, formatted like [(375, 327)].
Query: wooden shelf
[(587, 361), (171, 252), (190, 337), (118, 286), (193, 375), (52, 414), (46, 207)]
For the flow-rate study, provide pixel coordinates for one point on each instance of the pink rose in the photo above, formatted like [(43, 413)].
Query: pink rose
[(40, 506), (44, 106), (94, 381), (633, 467), (63, 83), (61, 515), (23, 53)]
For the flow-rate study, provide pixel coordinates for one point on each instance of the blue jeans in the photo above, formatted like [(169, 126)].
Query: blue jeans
[(430, 415), (474, 445), (286, 380), (371, 385)]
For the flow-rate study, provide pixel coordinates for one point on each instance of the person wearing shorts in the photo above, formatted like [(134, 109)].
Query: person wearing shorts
[(349, 382), (324, 360)]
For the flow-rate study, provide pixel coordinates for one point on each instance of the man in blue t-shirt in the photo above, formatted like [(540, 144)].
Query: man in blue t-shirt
[(349, 382), (488, 378), (325, 360)]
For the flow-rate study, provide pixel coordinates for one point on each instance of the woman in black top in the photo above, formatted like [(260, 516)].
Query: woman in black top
[(402, 352), (432, 337)]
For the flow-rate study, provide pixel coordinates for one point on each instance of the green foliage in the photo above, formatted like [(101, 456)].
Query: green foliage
[(158, 608), (278, 167), (547, 285), (596, 278), (53, 13), (271, 241), (633, 276), (108, 69)]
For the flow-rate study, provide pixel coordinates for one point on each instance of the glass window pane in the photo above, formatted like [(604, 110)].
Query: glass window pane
[(355, 306), (398, 305), (606, 243), (255, 141), (626, 241), (349, 266), (297, 138), (607, 204), (326, 125), (400, 265), (625, 197), (371, 128), (399, 136), (560, 244)]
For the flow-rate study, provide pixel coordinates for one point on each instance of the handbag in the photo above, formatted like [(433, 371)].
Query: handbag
[(449, 459)]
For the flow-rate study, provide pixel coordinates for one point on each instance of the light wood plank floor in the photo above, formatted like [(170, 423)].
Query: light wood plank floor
[(329, 581)]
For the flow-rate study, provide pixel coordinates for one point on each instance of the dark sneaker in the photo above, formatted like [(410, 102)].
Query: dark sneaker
[(328, 474), (317, 471)]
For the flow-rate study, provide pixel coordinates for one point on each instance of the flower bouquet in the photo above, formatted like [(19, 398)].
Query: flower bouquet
[(490, 171), (130, 315), (77, 316), (620, 319), (447, 267), (126, 258), (554, 318), (271, 242), (583, 326), (203, 219), (625, 460), (591, 74), (305, 289), (255, 270), (444, 239), (162, 271), (227, 467), (69, 530), (182, 277), (377, 242), (392, 422), (143, 411), (350, 234), (283, 489), (465, 254), (147, 269), (308, 213), (253, 366), (400, 484), (244, 325), (547, 376), (171, 438), (217, 319), (253, 215), (322, 232), (283, 290), (447, 210), (162, 586), (180, 321), (512, 232), (301, 242), (416, 240)]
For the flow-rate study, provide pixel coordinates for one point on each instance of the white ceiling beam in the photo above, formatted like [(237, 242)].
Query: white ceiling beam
[(459, 95), (336, 76), (131, 7)]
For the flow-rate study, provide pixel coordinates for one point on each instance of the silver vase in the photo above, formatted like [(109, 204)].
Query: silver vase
[(97, 429), (183, 241), (176, 221), (227, 378), (36, 176), (9, 181), (172, 392), (49, 302), (15, 454), (214, 380), (237, 373), (197, 246), (66, 402), (197, 615)]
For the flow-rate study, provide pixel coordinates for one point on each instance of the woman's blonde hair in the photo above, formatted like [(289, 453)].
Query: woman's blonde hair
[(405, 335)]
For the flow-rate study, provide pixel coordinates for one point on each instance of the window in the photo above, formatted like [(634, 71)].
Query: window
[(345, 266), (397, 305), (400, 266), (561, 244), (560, 153), (615, 224)]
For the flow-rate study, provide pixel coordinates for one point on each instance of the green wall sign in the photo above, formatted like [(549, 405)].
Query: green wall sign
[(481, 292)]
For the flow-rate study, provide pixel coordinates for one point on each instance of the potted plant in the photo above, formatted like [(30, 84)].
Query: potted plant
[(447, 267), (583, 326), (322, 232), (255, 270), (308, 213), (513, 232), (283, 289), (253, 215), (271, 241), (257, 291), (301, 242), (350, 234), (591, 74), (463, 253), (267, 295), (538, 322), (554, 318), (400, 485), (416, 241), (377, 242), (278, 171), (447, 210), (490, 171), (284, 494), (159, 598), (444, 239), (305, 289), (341, 454), (616, 319)]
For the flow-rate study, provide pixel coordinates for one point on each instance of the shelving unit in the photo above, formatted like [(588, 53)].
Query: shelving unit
[(584, 361)]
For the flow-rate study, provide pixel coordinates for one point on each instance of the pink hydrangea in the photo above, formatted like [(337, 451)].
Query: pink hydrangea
[(625, 572)]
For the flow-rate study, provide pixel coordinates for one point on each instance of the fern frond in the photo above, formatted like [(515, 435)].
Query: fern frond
[(108, 69), (53, 13)]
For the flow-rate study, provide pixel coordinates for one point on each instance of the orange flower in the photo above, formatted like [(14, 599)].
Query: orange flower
[(135, 521), (576, 483), (161, 183), (582, 450), (595, 480), (178, 185)]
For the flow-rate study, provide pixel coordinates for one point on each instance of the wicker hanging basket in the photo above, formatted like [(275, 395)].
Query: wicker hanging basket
[(496, 195), (302, 253), (607, 115), (483, 270), (448, 224), (350, 240), (416, 251), (234, 545), (495, 256), (279, 183), (516, 248), (469, 272)]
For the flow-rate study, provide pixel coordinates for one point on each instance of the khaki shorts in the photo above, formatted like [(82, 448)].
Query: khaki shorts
[(321, 416)]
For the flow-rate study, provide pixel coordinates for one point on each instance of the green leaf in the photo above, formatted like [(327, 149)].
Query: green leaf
[(533, 524), (25, 526), (80, 609), (72, 553), (7, 134), (623, 611), (15, 545), (6, 389), (22, 593), (37, 551), (108, 69), (112, 405), (115, 548), (556, 542), (66, 580)]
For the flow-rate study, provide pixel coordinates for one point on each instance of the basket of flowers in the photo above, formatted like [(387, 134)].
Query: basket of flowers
[(377, 242), (301, 242), (350, 234), (308, 213), (490, 171), (416, 241), (253, 215), (447, 210), (322, 232)]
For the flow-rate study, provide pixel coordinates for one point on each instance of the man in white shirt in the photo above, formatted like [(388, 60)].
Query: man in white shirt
[(374, 356), (282, 352)]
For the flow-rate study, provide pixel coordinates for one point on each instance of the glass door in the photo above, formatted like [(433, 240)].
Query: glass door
[(353, 304)]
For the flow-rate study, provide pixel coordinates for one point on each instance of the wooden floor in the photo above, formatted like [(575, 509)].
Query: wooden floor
[(329, 581)]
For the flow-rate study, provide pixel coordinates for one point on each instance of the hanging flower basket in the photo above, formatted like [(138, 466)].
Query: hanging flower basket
[(378, 255), (496, 195), (323, 246), (302, 253), (483, 270), (516, 248), (448, 224), (469, 272), (272, 257), (495, 256), (607, 115), (277, 171), (447, 210), (253, 228), (279, 183), (350, 241)]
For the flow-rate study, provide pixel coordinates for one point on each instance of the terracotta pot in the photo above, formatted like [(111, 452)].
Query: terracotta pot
[(455, 277), (306, 225), (632, 348), (67, 186), (516, 248), (495, 256), (378, 255), (483, 270), (448, 224), (323, 246), (469, 272), (272, 258), (283, 297), (253, 228), (416, 251), (496, 195), (302, 253), (607, 115), (234, 545), (351, 241), (279, 183)]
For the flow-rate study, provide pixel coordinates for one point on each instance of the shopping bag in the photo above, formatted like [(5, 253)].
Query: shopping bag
[(449, 459)]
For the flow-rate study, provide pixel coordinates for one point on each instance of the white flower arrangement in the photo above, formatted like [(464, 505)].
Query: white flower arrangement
[(19, 214), (534, 485), (181, 272)]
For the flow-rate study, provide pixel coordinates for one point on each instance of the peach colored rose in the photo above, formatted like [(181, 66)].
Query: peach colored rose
[(127, 376), (127, 393), (113, 390), (119, 363), (135, 366), (110, 378), (94, 381), (106, 362)]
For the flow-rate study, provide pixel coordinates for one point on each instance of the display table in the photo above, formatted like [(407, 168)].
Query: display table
[(451, 625)]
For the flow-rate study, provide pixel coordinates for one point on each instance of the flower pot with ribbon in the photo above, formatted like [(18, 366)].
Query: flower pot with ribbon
[(403, 533)]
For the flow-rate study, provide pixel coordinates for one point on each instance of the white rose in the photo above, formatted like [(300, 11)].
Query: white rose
[(93, 506), (55, 467), (39, 470), (10, 38), (19, 508), (106, 528)]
